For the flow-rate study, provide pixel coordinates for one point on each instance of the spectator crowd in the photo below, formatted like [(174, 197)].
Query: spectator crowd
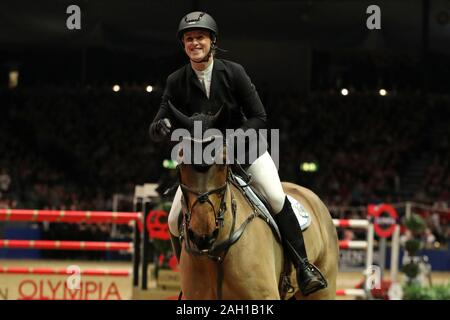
[(75, 149)]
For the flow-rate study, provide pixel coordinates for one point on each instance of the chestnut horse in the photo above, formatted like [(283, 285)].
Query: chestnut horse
[(229, 252)]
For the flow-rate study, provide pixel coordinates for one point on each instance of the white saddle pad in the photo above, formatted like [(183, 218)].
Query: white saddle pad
[(303, 216)]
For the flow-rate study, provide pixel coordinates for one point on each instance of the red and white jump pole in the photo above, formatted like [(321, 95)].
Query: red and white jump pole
[(351, 223), (366, 245), (69, 216), (65, 245), (74, 216), (351, 292), (363, 245), (65, 271)]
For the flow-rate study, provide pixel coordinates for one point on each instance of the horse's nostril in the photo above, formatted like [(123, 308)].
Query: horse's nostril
[(202, 241)]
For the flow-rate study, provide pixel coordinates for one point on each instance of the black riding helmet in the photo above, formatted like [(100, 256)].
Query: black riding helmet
[(198, 20)]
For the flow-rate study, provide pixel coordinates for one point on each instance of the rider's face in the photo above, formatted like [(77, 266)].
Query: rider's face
[(197, 44)]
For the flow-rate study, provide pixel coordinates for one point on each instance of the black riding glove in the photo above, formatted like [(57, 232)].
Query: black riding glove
[(160, 129)]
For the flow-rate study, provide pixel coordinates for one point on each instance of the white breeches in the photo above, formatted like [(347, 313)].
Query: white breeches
[(265, 179)]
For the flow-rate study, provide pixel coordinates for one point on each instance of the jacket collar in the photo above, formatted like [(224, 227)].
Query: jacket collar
[(218, 65), (191, 76)]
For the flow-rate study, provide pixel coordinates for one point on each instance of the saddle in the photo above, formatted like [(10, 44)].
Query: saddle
[(258, 201)]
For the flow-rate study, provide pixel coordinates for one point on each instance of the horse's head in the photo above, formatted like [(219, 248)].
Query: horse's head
[(204, 188), (203, 173)]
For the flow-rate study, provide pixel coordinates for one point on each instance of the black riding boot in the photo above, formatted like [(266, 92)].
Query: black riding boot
[(309, 278), (176, 246)]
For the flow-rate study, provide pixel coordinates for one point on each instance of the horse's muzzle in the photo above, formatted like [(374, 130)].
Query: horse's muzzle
[(203, 242)]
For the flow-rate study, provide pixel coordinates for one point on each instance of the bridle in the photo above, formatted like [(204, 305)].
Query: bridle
[(219, 215), (202, 197), (215, 251)]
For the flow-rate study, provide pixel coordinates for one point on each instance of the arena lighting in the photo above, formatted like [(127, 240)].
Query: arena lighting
[(383, 92), (308, 167), (149, 89), (13, 79), (169, 164), (344, 92), (116, 88)]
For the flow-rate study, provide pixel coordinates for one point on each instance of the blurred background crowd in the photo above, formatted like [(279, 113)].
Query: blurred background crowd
[(363, 112), (75, 149)]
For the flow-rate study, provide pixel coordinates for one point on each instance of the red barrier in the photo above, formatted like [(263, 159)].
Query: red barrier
[(52, 271), (68, 216), (351, 223), (351, 292), (65, 245), (347, 244)]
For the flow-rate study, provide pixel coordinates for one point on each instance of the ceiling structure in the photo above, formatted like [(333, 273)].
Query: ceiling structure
[(149, 26), (135, 40)]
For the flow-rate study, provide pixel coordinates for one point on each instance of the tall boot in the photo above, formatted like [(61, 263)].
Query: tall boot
[(309, 277), (176, 246)]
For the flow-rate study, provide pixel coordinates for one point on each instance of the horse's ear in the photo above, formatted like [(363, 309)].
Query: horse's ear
[(185, 121)]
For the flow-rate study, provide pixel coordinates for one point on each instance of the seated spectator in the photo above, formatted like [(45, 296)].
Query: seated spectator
[(363, 147), (428, 239), (348, 235)]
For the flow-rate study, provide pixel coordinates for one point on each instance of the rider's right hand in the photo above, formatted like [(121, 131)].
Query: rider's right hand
[(160, 129)]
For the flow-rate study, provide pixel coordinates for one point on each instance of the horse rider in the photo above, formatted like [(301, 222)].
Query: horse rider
[(203, 86)]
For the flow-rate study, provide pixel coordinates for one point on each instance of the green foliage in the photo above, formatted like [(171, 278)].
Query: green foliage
[(416, 224), (165, 206), (411, 270), (442, 291), (162, 246), (437, 292), (412, 246), (413, 289), (416, 292)]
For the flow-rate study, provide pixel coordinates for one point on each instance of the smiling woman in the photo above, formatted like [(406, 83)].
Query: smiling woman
[(197, 45), (198, 33), (205, 86)]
